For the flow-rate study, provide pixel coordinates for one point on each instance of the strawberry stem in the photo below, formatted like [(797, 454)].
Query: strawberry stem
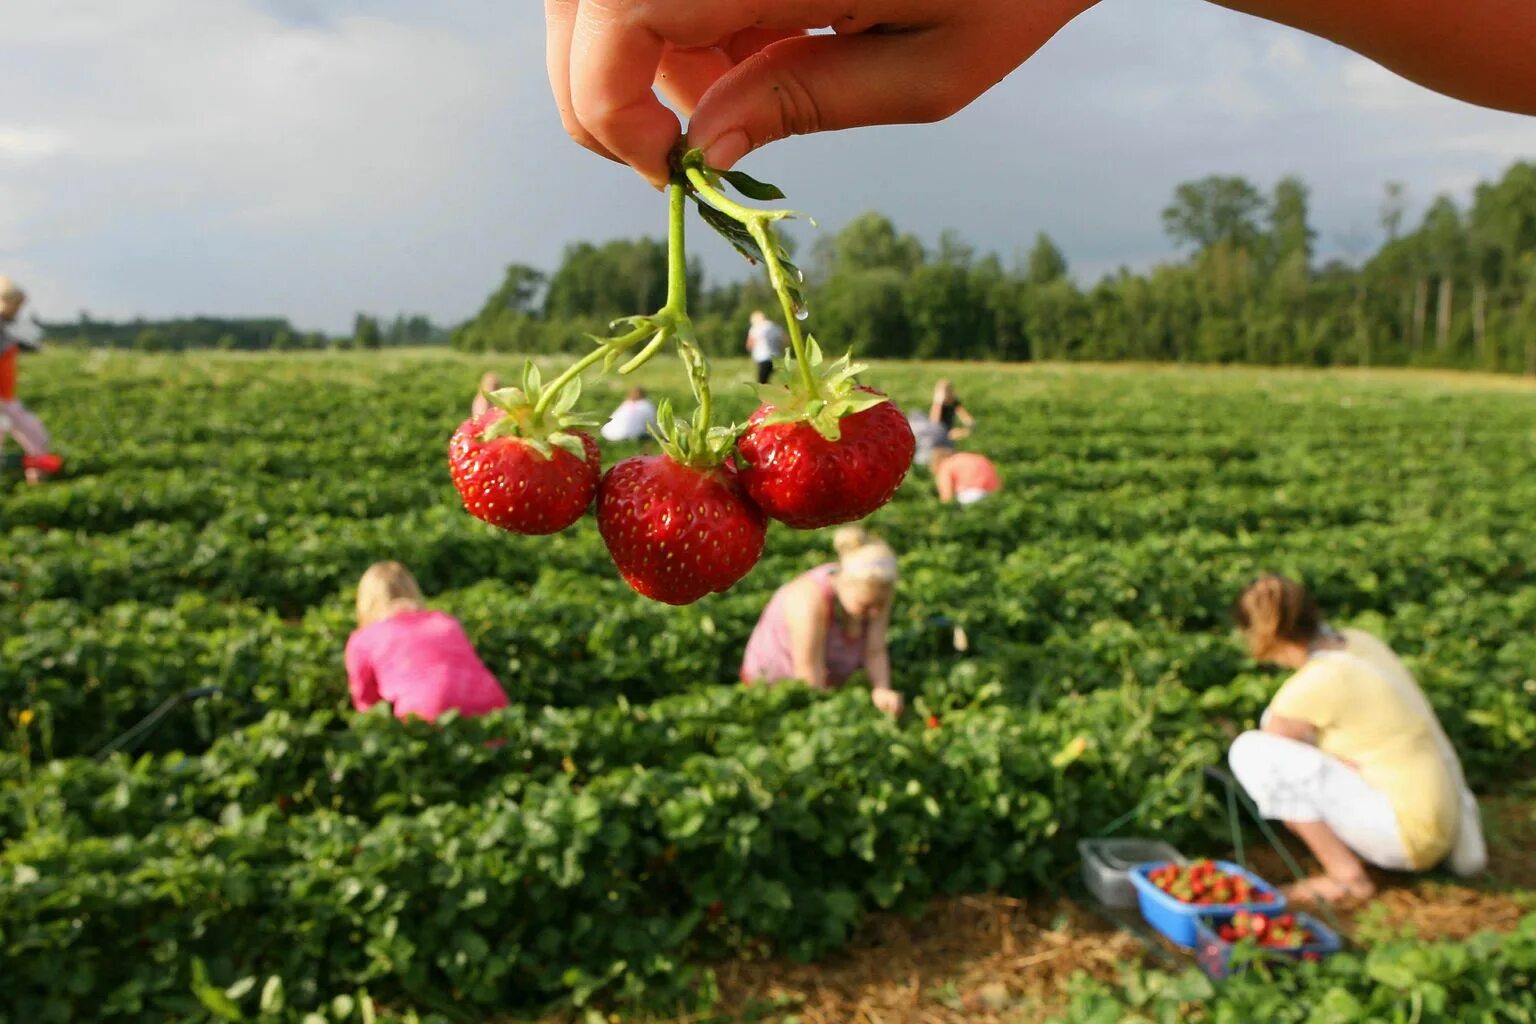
[(757, 224), (573, 371), (677, 254)]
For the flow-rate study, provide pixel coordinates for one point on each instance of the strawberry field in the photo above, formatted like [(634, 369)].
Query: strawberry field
[(637, 817)]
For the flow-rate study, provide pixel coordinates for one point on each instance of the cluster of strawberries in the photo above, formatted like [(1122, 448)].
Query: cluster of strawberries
[(1278, 931), (680, 525), (1204, 882)]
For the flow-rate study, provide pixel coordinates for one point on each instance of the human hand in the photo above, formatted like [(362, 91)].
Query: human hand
[(887, 700), (747, 73)]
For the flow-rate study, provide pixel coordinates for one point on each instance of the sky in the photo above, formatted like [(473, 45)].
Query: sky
[(313, 159)]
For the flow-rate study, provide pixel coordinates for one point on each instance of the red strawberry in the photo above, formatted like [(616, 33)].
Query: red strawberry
[(509, 483), (522, 464), (677, 532), (801, 477), (933, 721)]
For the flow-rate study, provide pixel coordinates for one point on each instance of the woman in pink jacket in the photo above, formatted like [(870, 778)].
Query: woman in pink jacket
[(417, 660)]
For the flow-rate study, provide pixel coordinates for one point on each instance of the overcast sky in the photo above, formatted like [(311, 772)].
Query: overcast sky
[(310, 159)]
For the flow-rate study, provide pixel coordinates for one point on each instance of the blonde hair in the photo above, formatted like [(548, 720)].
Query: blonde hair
[(863, 557), (10, 291), (386, 589), (1273, 610)]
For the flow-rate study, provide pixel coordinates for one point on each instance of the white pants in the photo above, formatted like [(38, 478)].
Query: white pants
[(970, 495), (1294, 781), (26, 428)]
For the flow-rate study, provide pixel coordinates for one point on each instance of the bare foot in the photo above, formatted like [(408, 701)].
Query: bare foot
[(1321, 888)]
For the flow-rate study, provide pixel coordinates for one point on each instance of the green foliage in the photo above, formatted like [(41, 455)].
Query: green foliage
[(365, 332), (1214, 210), (1486, 978), (1459, 290), (573, 847)]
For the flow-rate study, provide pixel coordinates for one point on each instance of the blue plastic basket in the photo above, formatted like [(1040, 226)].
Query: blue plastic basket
[(1175, 919), (1214, 954)]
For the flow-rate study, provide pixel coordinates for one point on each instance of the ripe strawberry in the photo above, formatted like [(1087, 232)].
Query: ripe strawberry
[(806, 480), (509, 483), (678, 532), (933, 721), (521, 465), (824, 450)]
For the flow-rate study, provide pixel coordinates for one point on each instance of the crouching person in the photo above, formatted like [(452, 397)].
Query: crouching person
[(1350, 754)]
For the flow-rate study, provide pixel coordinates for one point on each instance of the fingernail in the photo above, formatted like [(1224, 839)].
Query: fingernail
[(727, 149)]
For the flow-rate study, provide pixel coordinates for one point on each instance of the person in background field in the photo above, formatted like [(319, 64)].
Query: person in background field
[(417, 660), (745, 73), (828, 623), (632, 420), (930, 437), (1350, 754), (766, 341), (19, 421), (947, 410), (488, 383), (963, 477)]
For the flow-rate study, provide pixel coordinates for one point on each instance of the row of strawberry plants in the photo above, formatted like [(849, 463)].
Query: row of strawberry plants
[(1477, 980), (100, 674), (567, 886), (371, 764), (296, 553)]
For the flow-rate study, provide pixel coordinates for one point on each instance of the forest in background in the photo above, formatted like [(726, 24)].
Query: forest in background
[(1456, 289)]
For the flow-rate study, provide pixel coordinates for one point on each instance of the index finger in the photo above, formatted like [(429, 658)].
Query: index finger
[(613, 64)]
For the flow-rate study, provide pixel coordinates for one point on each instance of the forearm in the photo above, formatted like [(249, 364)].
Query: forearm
[(1476, 50), (812, 671), (877, 665)]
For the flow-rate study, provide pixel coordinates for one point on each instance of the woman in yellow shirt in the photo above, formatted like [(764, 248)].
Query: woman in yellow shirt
[(1350, 754)]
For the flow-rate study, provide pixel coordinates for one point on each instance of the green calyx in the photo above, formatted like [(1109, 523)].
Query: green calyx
[(692, 441), (832, 393), (541, 417), (695, 441)]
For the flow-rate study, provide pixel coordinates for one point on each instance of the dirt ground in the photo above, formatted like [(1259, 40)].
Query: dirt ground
[(999, 960)]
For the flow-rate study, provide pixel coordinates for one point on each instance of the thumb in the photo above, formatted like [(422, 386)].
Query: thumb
[(823, 83)]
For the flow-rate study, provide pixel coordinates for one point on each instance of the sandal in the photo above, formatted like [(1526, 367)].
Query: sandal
[(1322, 889)]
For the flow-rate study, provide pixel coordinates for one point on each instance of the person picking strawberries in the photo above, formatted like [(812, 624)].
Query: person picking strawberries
[(828, 623), (418, 661), (963, 477), (1349, 753), (16, 418)]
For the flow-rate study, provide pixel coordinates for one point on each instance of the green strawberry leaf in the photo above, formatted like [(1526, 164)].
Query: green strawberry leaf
[(751, 187), (731, 231)]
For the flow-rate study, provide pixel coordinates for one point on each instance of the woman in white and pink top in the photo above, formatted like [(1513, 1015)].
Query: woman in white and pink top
[(828, 623), (418, 661)]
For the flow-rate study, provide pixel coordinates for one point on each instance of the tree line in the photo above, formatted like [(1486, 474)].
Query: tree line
[(240, 334), (1457, 289)]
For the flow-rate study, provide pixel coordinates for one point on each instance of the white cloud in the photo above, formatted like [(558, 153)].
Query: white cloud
[(1286, 53), (20, 143)]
